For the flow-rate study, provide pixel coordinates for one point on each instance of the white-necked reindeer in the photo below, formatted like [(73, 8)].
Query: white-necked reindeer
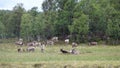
[(67, 41)]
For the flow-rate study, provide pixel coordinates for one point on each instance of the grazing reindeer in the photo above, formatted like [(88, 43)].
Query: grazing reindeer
[(31, 49), (93, 43)]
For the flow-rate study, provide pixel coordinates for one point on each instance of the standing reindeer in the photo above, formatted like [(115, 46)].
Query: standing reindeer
[(93, 43), (31, 49), (42, 47), (50, 42), (33, 43), (67, 41), (55, 39)]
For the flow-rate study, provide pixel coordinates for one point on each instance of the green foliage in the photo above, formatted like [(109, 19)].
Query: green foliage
[(83, 20), (2, 30), (31, 27), (80, 28), (50, 17), (26, 25), (17, 15), (33, 11)]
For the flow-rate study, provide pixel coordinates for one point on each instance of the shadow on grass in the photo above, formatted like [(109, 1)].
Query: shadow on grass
[(38, 65)]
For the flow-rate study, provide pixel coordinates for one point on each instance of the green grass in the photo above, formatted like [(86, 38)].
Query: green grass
[(100, 56)]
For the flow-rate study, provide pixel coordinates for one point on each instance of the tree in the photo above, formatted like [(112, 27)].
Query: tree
[(26, 26), (33, 11), (50, 17), (2, 30), (40, 26), (32, 26), (80, 28), (17, 14), (6, 17), (113, 25), (65, 13)]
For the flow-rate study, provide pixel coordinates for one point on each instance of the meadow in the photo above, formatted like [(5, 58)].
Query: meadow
[(100, 56)]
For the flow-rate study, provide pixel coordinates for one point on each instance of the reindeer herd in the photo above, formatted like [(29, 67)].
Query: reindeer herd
[(31, 46)]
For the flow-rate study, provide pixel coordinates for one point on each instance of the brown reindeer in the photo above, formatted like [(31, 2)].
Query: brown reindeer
[(21, 50)]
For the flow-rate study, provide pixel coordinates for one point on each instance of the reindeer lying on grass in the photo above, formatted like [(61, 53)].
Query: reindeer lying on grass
[(19, 42), (73, 51), (64, 51), (74, 44)]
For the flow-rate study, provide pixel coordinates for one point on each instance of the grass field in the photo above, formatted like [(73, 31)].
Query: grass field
[(100, 56)]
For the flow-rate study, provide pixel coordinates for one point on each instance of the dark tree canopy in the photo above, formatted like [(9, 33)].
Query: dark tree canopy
[(81, 20)]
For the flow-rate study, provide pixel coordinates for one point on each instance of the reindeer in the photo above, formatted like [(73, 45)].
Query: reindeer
[(19, 42), (42, 47), (50, 42), (74, 51), (21, 50), (34, 43), (30, 44), (67, 41), (74, 44), (55, 39), (31, 49), (93, 43), (64, 51)]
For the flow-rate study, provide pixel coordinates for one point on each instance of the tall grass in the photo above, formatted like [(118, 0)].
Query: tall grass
[(90, 56)]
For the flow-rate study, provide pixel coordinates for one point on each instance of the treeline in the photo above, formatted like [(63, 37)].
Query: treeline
[(80, 20)]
